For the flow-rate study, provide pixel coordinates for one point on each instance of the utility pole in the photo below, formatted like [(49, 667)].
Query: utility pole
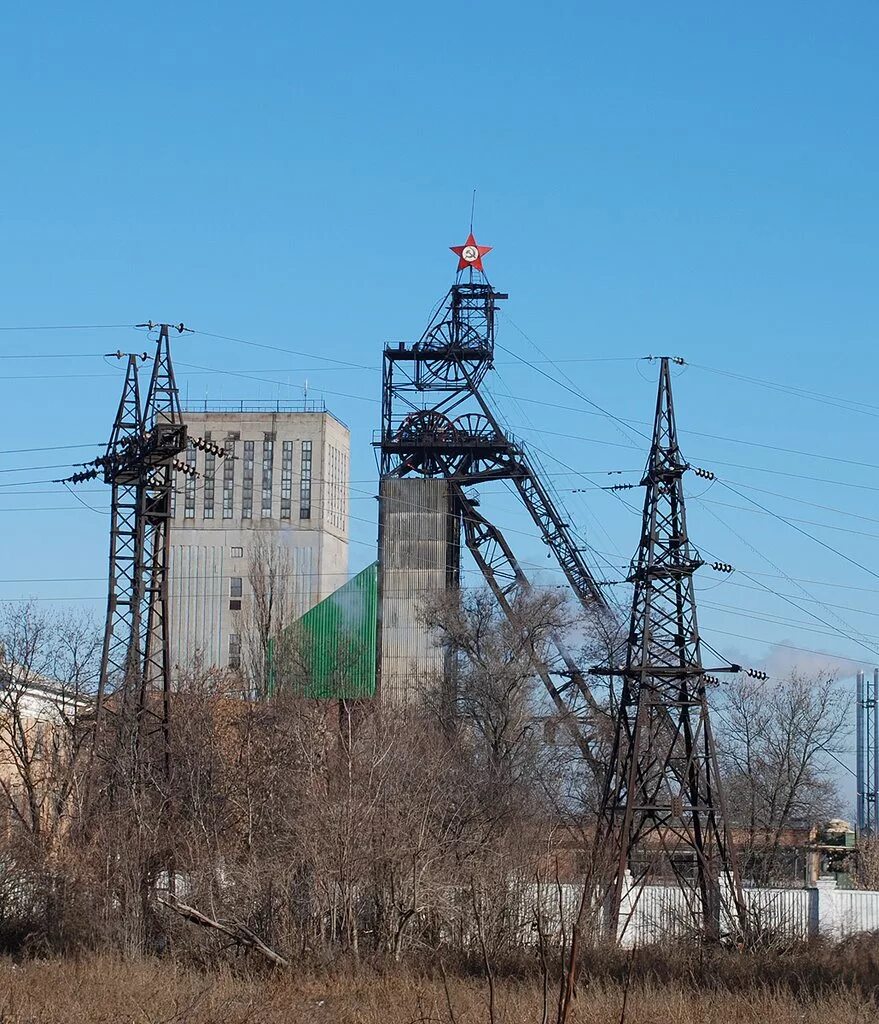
[(662, 813)]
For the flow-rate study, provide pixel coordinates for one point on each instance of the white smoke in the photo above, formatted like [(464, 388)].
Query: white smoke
[(779, 661)]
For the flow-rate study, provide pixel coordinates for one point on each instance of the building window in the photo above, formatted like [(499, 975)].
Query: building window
[(238, 552), (305, 482), (236, 586), (247, 482), (286, 479), (335, 487), (210, 470), (234, 650), (229, 479), (268, 457), (189, 486), (343, 499)]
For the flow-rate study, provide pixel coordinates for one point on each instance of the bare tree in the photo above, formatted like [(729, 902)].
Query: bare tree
[(267, 615), (866, 863), (48, 670), (497, 692), (48, 673), (775, 741), (300, 824)]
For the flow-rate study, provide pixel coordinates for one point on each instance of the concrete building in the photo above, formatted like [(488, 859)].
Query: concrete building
[(418, 561), (273, 515)]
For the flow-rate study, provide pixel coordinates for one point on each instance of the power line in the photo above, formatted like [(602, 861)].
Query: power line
[(834, 400), (811, 504), (574, 391), (288, 351), (716, 462), (787, 647), (799, 529), (590, 514), (55, 376), (51, 355), (34, 469), (826, 604), (71, 327), (635, 423), (789, 519), (817, 583), (54, 508), (789, 600), (782, 620), (288, 384), (50, 448)]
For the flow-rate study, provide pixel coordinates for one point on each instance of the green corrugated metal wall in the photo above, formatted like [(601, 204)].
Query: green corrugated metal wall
[(338, 636)]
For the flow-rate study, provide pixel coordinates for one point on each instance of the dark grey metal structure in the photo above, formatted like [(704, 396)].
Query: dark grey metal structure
[(662, 812), (437, 423), (139, 464)]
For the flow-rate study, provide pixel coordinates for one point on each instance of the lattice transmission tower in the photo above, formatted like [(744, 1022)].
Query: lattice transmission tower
[(139, 464), (662, 814), (437, 423)]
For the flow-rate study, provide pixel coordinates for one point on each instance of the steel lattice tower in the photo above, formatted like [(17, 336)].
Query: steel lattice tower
[(437, 423), (139, 464), (123, 638), (662, 812), (165, 438)]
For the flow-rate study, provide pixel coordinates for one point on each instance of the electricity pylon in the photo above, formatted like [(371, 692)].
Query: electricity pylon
[(662, 814), (123, 640), (138, 464), (165, 438)]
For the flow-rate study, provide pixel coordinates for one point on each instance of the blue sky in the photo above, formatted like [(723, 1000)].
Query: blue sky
[(683, 179)]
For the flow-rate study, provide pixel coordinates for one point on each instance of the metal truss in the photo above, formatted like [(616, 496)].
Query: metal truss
[(662, 812), (437, 423), (123, 634), (166, 438), (425, 434), (139, 464), (573, 700)]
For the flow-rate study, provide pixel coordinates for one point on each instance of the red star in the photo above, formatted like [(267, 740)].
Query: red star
[(474, 253)]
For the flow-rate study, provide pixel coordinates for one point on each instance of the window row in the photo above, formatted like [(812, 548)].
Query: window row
[(248, 478)]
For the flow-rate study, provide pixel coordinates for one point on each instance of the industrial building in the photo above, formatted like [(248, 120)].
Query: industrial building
[(272, 515)]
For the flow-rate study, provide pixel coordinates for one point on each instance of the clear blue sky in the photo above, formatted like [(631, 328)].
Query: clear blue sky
[(685, 179)]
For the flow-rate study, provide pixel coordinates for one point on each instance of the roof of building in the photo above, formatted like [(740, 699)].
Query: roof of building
[(226, 407)]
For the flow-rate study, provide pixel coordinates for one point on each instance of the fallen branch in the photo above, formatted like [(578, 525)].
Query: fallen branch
[(239, 933)]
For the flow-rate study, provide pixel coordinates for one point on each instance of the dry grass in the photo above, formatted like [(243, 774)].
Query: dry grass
[(94, 990)]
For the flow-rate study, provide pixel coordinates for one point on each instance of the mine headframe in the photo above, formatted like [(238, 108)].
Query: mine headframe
[(438, 423)]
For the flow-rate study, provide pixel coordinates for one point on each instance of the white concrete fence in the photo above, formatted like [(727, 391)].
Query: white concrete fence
[(656, 912)]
